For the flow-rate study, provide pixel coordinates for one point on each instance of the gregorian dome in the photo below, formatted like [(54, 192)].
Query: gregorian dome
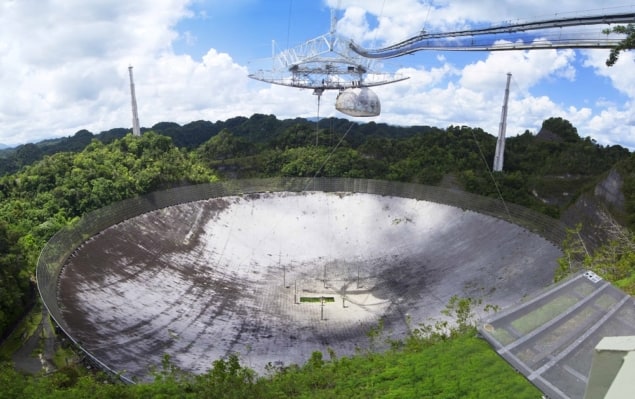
[(358, 102)]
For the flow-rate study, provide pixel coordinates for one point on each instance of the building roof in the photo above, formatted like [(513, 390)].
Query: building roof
[(550, 337)]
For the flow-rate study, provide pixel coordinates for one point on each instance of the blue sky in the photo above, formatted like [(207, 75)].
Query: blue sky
[(63, 66)]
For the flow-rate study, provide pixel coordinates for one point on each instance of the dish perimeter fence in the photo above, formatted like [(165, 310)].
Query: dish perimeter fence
[(67, 240)]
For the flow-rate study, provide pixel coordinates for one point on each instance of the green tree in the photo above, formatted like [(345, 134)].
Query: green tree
[(613, 261), (228, 379), (562, 128), (298, 135), (27, 154), (627, 43), (225, 146), (13, 383), (574, 254), (462, 311), (15, 283)]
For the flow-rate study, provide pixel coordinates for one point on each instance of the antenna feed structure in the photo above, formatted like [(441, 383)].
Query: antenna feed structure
[(328, 62)]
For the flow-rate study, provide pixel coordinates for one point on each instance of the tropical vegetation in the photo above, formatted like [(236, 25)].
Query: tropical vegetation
[(45, 186)]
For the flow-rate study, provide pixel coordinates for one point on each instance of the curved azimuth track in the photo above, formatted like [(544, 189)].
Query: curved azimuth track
[(545, 34)]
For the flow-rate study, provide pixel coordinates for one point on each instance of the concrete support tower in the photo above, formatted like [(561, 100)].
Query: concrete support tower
[(500, 143), (136, 130)]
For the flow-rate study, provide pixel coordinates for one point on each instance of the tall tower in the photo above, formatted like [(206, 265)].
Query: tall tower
[(136, 130), (500, 143)]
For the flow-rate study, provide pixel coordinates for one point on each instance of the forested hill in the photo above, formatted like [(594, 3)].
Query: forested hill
[(257, 129), (546, 171)]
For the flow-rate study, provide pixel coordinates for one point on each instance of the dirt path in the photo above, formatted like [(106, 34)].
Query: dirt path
[(27, 359)]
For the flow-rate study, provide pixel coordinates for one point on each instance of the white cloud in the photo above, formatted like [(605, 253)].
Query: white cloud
[(64, 63), (527, 67), (620, 74), (396, 20), (475, 96), (63, 67)]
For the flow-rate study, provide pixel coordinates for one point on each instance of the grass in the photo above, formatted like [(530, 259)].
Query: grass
[(316, 299), (64, 357), (627, 284), (461, 367)]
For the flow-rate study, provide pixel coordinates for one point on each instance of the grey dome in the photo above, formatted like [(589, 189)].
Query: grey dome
[(358, 102)]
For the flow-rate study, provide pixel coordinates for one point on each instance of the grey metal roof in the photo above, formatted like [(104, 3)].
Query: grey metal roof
[(550, 336)]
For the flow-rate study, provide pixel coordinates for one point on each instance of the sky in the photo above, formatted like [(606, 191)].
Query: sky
[(64, 65)]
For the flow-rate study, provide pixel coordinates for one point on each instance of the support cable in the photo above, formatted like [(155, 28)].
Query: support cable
[(318, 93), (329, 156), (289, 22), (491, 175)]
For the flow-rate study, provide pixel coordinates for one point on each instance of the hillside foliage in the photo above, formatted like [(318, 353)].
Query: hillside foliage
[(48, 185)]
